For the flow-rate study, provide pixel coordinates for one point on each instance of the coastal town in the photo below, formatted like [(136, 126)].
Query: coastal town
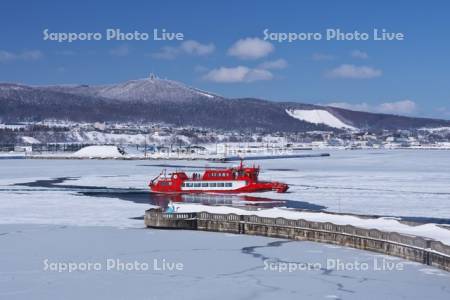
[(147, 139)]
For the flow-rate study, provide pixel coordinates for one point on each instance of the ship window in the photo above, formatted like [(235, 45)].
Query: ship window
[(183, 185), (197, 184), (204, 184), (228, 184), (220, 184), (188, 184), (212, 184)]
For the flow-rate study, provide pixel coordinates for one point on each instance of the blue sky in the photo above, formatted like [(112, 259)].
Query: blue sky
[(224, 51)]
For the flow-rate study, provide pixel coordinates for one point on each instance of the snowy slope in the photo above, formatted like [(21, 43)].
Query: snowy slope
[(318, 116)]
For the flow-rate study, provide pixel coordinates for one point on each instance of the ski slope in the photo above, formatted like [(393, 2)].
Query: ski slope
[(318, 116)]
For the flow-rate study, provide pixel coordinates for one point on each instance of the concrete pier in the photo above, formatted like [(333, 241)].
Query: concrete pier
[(409, 247)]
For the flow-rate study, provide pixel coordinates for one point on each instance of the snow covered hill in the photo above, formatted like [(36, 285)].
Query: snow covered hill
[(319, 116), (151, 89)]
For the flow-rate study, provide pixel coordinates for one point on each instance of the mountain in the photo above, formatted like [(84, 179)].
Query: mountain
[(159, 100), (151, 90)]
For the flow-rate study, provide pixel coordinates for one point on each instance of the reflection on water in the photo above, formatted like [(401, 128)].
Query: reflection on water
[(162, 200)]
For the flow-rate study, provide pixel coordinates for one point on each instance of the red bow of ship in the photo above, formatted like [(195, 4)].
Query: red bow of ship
[(240, 179)]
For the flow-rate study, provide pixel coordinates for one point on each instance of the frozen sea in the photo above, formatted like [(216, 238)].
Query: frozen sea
[(35, 260), (78, 210), (398, 183)]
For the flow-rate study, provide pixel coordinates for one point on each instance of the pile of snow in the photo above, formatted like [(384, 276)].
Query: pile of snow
[(30, 140), (318, 116), (99, 152), (384, 224)]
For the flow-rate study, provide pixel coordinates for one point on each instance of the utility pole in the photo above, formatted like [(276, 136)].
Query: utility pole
[(145, 146)]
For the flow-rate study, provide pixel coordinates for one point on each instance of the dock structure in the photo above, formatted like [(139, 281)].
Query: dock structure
[(414, 248)]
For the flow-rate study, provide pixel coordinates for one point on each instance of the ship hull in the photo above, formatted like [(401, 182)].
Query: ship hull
[(236, 188)]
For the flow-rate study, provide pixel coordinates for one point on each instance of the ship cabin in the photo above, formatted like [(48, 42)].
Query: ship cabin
[(165, 180), (232, 174)]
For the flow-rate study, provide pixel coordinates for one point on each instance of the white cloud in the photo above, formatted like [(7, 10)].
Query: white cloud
[(196, 48), (354, 72), (396, 107), (122, 50), (189, 47), (200, 69), (166, 53), (443, 111), (237, 74), (6, 56), (404, 107), (251, 48), (322, 56), (31, 55), (66, 52), (359, 54), (352, 106), (274, 64), (27, 55)]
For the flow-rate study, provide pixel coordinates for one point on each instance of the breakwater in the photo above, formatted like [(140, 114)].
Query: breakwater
[(414, 248)]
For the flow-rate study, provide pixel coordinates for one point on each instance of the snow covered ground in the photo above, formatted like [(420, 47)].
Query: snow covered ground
[(30, 140), (211, 266), (98, 152), (65, 220)]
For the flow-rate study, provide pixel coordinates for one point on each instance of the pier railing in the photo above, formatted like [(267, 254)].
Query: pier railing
[(410, 247)]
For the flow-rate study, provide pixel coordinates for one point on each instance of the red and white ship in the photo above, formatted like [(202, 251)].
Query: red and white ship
[(239, 179)]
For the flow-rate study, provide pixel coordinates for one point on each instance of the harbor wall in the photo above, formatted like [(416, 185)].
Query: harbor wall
[(409, 247)]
